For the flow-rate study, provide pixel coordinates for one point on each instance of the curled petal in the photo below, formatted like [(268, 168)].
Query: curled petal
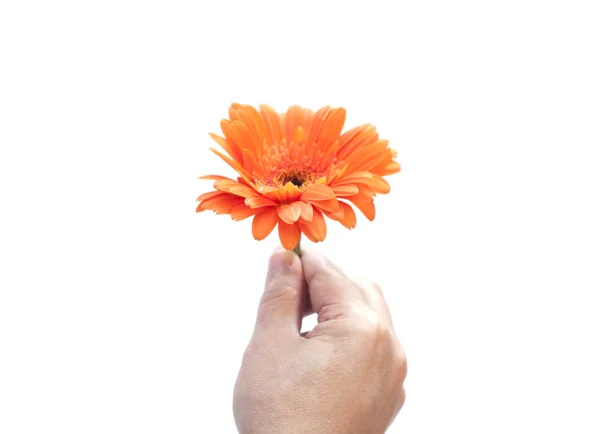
[(290, 213), (306, 214)]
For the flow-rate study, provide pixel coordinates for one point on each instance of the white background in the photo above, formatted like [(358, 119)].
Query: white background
[(123, 311)]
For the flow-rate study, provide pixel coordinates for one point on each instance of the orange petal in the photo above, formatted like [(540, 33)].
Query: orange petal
[(224, 184), (221, 204), (249, 160), (288, 194), (317, 192), (390, 155), (306, 215), (390, 169), (356, 139), (259, 202), (266, 189), (241, 212), (235, 165), (272, 123), (299, 135), (242, 190), (233, 109), (215, 177), (264, 223), (295, 117), (368, 157), (332, 127), (238, 133), (380, 185), (318, 120), (365, 204), (289, 235), (331, 205), (290, 213), (208, 195), (316, 230), (230, 147), (336, 215), (365, 189), (353, 178), (253, 121), (349, 219), (345, 190), (234, 187), (360, 179)]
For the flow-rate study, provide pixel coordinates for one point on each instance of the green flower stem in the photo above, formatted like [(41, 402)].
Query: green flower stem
[(297, 248)]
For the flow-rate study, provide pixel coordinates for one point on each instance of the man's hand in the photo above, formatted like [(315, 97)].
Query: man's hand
[(345, 376)]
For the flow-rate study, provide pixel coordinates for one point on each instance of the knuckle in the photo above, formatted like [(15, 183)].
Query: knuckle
[(399, 362), (401, 398), (372, 327), (369, 287), (376, 287)]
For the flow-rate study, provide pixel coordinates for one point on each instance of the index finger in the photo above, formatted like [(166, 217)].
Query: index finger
[(327, 284)]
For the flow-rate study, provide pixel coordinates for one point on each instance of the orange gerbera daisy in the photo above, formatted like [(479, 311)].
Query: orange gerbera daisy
[(296, 167)]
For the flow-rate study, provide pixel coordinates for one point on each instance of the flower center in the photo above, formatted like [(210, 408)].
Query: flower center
[(294, 179), (295, 176)]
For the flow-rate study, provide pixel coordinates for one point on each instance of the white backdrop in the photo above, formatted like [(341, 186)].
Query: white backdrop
[(123, 311)]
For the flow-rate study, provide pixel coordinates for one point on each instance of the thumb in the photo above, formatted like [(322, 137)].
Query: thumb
[(280, 309)]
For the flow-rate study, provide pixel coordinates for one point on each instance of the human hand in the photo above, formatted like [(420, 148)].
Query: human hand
[(344, 376)]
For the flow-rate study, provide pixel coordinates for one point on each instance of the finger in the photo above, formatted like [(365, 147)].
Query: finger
[(328, 286), (307, 308), (282, 304), (374, 297)]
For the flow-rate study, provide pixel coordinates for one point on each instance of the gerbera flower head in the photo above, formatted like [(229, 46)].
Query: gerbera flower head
[(295, 168)]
